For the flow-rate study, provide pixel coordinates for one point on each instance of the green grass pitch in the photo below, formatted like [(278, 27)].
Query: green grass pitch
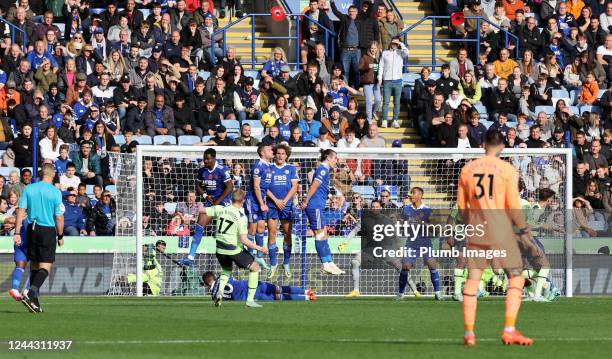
[(379, 328)]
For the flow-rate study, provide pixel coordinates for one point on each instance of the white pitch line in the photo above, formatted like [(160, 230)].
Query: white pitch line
[(340, 340)]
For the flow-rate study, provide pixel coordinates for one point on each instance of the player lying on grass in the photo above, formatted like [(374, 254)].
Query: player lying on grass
[(283, 186), (215, 184), (365, 226), (488, 197), (237, 290), (231, 237)]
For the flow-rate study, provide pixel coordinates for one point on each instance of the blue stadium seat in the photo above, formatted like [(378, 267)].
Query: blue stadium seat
[(482, 111), (367, 192), (561, 93), (100, 10), (590, 108), (6, 171), (392, 189), (257, 128), (145, 12), (408, 78), (170, 207), (206, 138), (111, 188), (549, 110), (204, 75), (600, 93), (252, 73), (575, 110), (89, 189), (435, 75), (294, 73), (187, 140), (119, 139), (143, 139), (568, 101), (159, 139), (231, 124)]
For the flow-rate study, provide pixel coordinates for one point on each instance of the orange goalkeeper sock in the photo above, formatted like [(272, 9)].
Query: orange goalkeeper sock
[(469, 304), (513, 301)]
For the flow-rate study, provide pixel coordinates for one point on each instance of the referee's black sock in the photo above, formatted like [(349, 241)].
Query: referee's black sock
[(32, 276), (37, 281)]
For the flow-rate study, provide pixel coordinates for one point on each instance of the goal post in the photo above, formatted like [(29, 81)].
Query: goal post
[(366, 173)]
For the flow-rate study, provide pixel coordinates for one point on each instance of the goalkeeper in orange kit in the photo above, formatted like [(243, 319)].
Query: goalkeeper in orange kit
[(488, 199)]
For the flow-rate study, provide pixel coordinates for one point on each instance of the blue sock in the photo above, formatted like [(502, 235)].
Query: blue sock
[(17, 274), (287, 289), (286, 253), (328, 252), (259, 240), (273, 252), (321, 249), (435, 279), (195, 241), (251, 238), (293, 297), (403, 281)]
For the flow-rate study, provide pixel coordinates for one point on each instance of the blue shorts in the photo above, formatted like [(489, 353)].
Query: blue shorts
[(265, 291), (315, 221), (21, 250), (275, 213), (253, 211), (416, 246)]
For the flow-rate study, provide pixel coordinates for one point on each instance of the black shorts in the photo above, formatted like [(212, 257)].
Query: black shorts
[(42, 242), (243, 260)]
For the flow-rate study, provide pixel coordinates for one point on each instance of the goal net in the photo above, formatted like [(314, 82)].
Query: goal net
[(157, 201)]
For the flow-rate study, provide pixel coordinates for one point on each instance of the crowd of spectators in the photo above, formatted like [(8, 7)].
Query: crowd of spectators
[(111, 79)]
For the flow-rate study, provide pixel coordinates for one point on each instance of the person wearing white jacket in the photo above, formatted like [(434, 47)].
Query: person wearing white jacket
[(390, 70), (50, 145)]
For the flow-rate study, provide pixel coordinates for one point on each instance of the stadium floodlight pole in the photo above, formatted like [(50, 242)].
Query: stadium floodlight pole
[(139, 224), (569, 246)]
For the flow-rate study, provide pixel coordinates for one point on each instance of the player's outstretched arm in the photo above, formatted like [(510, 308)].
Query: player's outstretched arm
[(247, 243)]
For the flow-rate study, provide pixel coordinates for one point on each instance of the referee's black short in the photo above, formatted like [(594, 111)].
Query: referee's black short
[(42, 242), (243, 260)]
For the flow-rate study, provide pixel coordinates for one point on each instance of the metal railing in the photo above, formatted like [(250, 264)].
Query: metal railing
[(329, 37), (437, 20), (13, 28)]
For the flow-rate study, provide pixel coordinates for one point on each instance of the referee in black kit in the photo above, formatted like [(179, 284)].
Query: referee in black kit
[(42, 203)]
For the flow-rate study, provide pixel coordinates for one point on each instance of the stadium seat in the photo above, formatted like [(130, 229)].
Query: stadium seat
[(119, 139), (100, 10), (62, 27), (600, 93), (561, 93), (568, 101), (231, 124), (89, 189), (145, 12), (143, 139), (206, 138), (170, 207), (204, 75), (256, 127), (187, 140), (252, 73), (367, 192), (408, 78), (160, 139), (482, 111), (575, 110), (435, 76), (6, 171), (392, 189), (111, 188), (294, 73), (590, 108), (549, 110)]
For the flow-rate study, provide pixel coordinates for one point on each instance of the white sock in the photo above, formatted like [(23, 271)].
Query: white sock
[(356, 273)]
